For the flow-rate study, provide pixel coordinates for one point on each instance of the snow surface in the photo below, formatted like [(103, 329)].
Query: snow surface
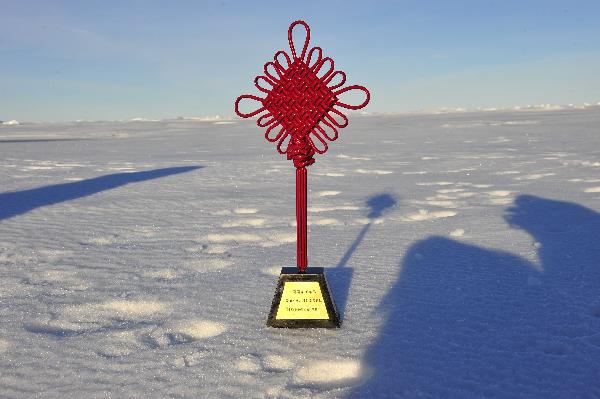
[(139, 259)]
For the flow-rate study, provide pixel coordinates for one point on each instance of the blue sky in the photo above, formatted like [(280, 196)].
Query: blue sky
[(68, 60)]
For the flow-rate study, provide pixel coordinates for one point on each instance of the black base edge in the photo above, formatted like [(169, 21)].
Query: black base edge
[(310, 274)]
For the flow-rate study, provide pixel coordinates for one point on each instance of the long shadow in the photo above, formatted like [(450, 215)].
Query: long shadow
[(468, 322), (19, 202), (378, 205)]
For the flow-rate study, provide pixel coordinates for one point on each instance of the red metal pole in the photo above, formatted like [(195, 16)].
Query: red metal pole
[(301, 240)]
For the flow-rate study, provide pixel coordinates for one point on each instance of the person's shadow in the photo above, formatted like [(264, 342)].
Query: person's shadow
[(19, 202), (341, 275), (468, 322)]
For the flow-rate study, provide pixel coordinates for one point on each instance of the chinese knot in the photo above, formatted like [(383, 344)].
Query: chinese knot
[(301, 106)]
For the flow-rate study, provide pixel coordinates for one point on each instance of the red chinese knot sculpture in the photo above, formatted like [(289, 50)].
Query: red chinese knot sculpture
[(301, 112)]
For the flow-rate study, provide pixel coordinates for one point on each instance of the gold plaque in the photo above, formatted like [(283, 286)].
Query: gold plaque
[(302, 300)]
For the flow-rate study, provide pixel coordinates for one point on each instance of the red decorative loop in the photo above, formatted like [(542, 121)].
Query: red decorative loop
[(291, 40), (302, 109), (259, 87), (243, 115), (310, 54), (277, 136), (353, 87), (329, 71), (287, 60), (330, 78), (330, 126), (281, 141), (342, 124), (260, 122), (323, 142), (278, 70)]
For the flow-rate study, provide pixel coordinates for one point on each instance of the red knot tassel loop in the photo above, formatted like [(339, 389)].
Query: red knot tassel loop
[(300, 151), (301, 240)]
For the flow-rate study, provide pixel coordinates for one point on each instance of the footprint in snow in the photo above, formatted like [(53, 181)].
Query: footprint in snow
[(118, 344), (182, 332), (57, 279), (189, 360)]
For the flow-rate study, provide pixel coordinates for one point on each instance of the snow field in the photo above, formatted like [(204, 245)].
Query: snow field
[(139, 259)]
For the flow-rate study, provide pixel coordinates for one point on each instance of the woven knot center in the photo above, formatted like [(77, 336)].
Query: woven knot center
[(300, 99)]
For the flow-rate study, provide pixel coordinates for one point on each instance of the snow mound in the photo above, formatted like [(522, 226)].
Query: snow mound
[(277, 363), (457, 233), (332, 208), (424, 214), (271, 271), (144, 120), (131, 309), (94, 316), (328, 193), (199, 328), (324, 222), (245, 223), (245, 211), (373, 172), (246, 365), (233, 237), (330, 374), (499, 193), (343, 156)]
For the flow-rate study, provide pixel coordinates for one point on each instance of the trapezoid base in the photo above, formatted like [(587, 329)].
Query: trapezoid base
[(303, 300)]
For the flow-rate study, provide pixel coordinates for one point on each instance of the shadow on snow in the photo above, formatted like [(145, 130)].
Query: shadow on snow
[(20, 202), (341, 275), (463, 321)]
